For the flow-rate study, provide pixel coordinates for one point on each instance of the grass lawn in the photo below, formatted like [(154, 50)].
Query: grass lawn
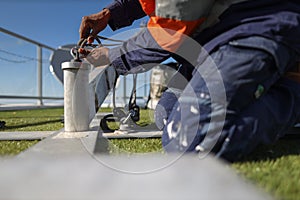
[(274, 168), (32, 120), (11, 148), (28, 120)]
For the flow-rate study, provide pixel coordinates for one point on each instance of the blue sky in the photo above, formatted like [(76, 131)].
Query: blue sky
[(51, 22)]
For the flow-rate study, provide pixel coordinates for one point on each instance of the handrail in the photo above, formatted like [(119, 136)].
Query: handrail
[(26, 39), (29, 97), (39, 46)]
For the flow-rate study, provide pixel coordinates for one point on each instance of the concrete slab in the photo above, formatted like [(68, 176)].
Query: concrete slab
[(64, 166), (94, 127), (58, 145), (122, 177), (140, 134), (33, 135), (39, 135), (62, 143)]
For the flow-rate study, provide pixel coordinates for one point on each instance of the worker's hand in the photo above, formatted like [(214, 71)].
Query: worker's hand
[(91, 25), (98, 56)]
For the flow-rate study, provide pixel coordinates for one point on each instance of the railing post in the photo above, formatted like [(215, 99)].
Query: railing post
[(39, 75), (124, 90)]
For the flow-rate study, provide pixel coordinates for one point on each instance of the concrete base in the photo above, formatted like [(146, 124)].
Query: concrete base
[(33, 135), (40, 135), (121, 177), (64, 166), (63, 144)]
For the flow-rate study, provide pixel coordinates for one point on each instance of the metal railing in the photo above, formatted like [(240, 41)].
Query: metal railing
[(123, 91), (39, 75)]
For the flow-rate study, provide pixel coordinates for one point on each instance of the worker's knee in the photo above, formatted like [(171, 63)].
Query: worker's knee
[(165, 106)]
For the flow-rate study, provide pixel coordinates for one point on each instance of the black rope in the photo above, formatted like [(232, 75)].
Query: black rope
[(15, 61), (17, 55), (132, 100), (109, 39), (25, 58)]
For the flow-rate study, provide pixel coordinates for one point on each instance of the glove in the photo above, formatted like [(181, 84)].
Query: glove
[(98, 56), (91, 25)]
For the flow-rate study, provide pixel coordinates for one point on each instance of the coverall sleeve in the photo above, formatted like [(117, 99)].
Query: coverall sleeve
[(138, 54), (124, 12)]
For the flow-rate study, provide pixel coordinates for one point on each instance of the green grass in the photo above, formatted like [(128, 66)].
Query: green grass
[(280, 177), (117, 146), (32, 120), (11, 148), (131, 146), (276, 168), (28, 120)]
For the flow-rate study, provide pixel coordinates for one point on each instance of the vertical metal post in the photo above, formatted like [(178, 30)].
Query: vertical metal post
[(39, 75), (145, 84), (124, 88)]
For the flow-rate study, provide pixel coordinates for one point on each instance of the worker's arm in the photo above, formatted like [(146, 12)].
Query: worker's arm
[(124, 12), (167, 30), (165, 33), (118, 14), (137, 54)]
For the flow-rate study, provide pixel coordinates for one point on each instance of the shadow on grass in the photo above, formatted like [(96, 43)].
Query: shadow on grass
[(30, 124), (283, 147)]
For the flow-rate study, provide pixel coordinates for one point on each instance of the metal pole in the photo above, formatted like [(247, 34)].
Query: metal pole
[(39, 75), (145, 84), (25, 38), (124, 92)]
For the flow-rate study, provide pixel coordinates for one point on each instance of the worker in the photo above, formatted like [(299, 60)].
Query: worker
[(165, 40), (244, 90)]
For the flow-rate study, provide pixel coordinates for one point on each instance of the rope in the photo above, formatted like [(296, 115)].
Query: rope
[(25, 58), (83, 42), (109, 39), (14, 61)]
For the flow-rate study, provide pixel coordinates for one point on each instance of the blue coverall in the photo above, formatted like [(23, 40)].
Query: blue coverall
[(237, 97)]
